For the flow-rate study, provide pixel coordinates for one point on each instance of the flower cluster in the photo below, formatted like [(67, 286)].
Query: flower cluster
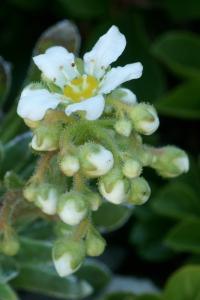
[(88, 131)]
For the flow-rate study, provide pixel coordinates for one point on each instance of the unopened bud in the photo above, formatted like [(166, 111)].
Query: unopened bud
[(171, 161), (113, 187), (144, 118), (47, 198), (46, 138), (68, 256), (30, 192), (10, 243), (124, 95), (72, 208), (95, 243), (95, 160), (94, 200), (123, 127), (132, 168), (69, 165), (140, 191)]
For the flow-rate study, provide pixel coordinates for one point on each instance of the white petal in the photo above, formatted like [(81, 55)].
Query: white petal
[(57, 64), (70, 213), (48, 205), (119, 75), (34, 103), (63, 265), (93, 107), (107, 50), (117, 195)]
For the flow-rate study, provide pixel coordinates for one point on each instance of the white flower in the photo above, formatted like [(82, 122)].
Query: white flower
[(79, 91)]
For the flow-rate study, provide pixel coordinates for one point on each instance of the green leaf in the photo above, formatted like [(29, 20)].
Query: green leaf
[(147, 236), (43, 279), (184, 284), (17, 153), (177, 200), (110, 217), (120, 296), (8, 268), (181, 102), (95, 273), (7, 293), (5, 79), (180, 52), (64, 33), (185, 237), (187, 12), (90, 9), (12, 180)]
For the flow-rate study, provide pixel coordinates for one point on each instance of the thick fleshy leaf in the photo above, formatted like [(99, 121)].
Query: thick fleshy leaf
[(185, 237), (9, 269), (177, 200), (180, 52), (181, 102), (92, 107), (111, 217), (106, 51), (7, 293), (95, 273), (43, 279), (183, 284), (116, 76), (5, 79)]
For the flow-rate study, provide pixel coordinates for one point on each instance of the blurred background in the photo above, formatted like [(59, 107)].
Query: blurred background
[(163, 235)]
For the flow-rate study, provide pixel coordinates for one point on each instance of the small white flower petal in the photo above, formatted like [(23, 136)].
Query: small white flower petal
[(70, 213), (34, 103), (93, 107), (57, 64), (107, 50), (119, 75), (48, 206), (182, 163), (117, 195)]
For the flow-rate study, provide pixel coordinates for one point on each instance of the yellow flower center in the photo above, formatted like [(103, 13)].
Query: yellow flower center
[(81, 88)]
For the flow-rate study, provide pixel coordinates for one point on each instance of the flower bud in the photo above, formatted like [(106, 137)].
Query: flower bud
[(123, 127), (140, 191), (171, 161), (72, 208), (31, 124), (132, 168), (30, 192), (124, 95), (68, 256), (95, 160), (47, 198), (10, 243), (46, 138), (93, 199), (69, 165), (113, 187), (95, 243), (145, 119)]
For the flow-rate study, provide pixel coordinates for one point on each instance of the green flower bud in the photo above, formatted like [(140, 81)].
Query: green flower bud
[(72, 208), (113, 187), (47, 198), (95, 160), (95, 243), (10, 243), (132, 168), (140, 191), (171, 161), (30, 192), (145, 119), (46, 138), (93, 199), (68, 256), (69, 165), (123, 127)]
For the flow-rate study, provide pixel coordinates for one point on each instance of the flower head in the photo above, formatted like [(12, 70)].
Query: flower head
[(80, 85)]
